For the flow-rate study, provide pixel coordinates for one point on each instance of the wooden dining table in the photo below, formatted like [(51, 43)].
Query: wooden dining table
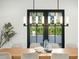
[(16, 53)]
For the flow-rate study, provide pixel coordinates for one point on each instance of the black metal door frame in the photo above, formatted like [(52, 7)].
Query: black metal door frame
[(45, 25)]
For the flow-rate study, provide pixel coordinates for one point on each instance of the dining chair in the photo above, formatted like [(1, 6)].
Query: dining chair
[(34, 45), (29, 56), (53, 45), (59, 56), (5, 55)]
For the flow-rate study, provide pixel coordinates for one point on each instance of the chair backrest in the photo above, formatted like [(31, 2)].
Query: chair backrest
[(54, 45), (33, 45), (29, 56), (5, 55), (60, 56)]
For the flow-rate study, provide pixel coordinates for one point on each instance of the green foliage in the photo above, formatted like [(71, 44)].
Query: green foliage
[(57, 30), (32, 28), (40, 30), (7, 33)]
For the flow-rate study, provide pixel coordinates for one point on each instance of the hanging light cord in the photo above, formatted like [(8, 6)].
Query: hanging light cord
[(33, 4), (57, 4)]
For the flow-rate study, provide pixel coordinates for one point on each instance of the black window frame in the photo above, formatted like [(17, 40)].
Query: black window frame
[(45, 11)]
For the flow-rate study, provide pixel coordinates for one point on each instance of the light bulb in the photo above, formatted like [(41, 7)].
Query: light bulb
[(25, 20), (49, 19), (67, 20), (36, 19), (42, 19), (61, 19), (30, 19)]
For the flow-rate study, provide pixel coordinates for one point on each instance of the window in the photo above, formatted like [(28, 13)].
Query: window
[(45, 24)]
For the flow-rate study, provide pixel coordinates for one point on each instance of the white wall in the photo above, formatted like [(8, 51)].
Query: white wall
[(45, 4), (71, 32), (13, 11)]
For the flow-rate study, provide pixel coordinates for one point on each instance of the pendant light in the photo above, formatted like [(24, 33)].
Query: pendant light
[(61, 19), (67, 21), (25, 19)]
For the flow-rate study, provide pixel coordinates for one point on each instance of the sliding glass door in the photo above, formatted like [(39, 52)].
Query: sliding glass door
[(45, 25)]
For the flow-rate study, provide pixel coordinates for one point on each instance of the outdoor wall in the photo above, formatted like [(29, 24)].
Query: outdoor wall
[(14, 10)]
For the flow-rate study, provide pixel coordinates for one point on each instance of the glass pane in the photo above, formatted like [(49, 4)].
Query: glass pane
[(40, 34), (55, 31), (59, 40), (32, 30), (33, 15), (32, 39), (59, 35), (32, 34), (39, 38), (58, 30), (54, 18), (36, 30), (39, 30), (51, 18), (51, 39), (51, 32), (40, 15)]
